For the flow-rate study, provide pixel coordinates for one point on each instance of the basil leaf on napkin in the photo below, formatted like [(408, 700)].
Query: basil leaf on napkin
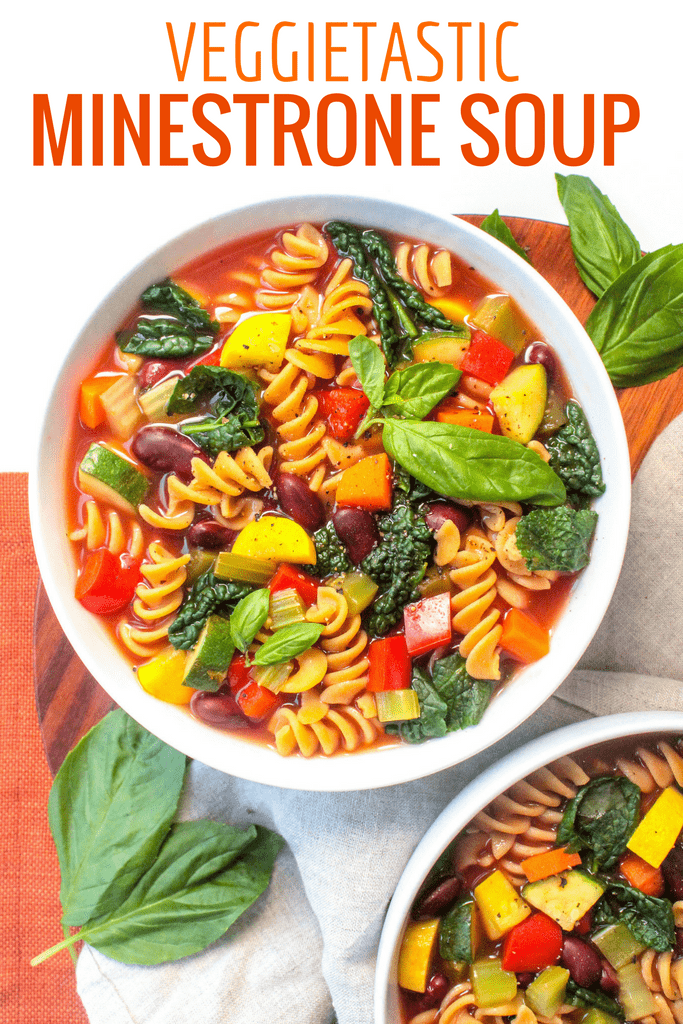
[(637, 325), (604, 246), (110, 808), (460, 462), (287, 642), (495, 226), (415, 391)]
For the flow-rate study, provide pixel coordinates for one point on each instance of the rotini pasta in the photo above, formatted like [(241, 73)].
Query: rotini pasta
[(157, 599), (344, 643), (474, 576)]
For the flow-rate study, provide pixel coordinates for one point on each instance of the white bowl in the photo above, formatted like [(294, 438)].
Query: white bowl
[(389, 765), (472, 799)]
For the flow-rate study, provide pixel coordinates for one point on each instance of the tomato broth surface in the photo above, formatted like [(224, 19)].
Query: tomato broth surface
[(249, 531)]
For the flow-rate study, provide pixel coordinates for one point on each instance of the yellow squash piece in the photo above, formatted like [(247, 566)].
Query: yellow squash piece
[(162, 677), (416, 954), (499, 904), (454, 309), (276, 539), (441, 350), (659, 829), (259, 340), (519, 401)]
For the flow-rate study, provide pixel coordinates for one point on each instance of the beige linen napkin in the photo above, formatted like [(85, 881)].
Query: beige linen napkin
[(309, 943)]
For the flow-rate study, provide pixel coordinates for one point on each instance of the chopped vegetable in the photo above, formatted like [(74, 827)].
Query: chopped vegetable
[(427, 624), (275, 539), (359, 591), (258, 340), (390, 664), (657, 832), (367, 484), (286, 607), (498, 317), (575, 457), (491, 985), (441, 347), (601, 818), (112, 479), (253, 700), (162, 677), (460, 932), (449, 412), (107, 582), (450, 700), (546, 993), (556, 538), (565, 897), (208, 662), (397, 705), (649, 919), (287, 577), (499, 904), (617, 944), (243, 568), (416, 953), (273, 677), (397, 564), (206, 597), (634, 994), (90, 406), (487, 358), (641, 875), (343, 409), (519, 401), (523, 638), (533, 944), (552, 862)]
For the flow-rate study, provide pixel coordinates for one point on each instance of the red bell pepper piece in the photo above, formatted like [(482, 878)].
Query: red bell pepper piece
[(253, 700), (390, 665), (427, 623), (533, 944), (107, 582), (487, 358), (343, 408), (289, 578)]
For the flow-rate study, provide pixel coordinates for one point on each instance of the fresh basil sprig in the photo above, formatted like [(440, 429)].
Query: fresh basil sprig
[(604, 245), (287, 643), (460, 462), (249, 615), (495, 226)]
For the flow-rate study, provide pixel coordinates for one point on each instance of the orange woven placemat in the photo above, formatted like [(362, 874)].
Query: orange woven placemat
[(29, 872)]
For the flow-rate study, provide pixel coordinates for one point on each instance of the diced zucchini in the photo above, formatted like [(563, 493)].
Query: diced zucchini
[(658, 831), (499, 317), (416, 953), (519, 401), (441, 347), (155, 400), (258, 340), (500, 905), (112, 479), (634, 995), (491, 985), (359, 589), (201, 561), (119, 402), (243, 569), (565, 897), (276, 539), (617, 944), (545, 994), (208, 662), (460, 932), (397, 705)]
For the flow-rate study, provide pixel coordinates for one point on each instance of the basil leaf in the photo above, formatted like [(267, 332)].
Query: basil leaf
[(369, 365), (248, 617), (287, 642), (190, 896), (460, 462), (110, 808), (415, 391), (637, 325), (495, 226), (604, 246)]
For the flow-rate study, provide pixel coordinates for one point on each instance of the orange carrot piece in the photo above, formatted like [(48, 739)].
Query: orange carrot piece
[(90, 405), (641, 875), (466, 418), (523, 638), (367, 484), (552, 862)]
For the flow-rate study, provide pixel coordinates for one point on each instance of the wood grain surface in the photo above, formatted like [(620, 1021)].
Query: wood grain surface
[(69, 701)]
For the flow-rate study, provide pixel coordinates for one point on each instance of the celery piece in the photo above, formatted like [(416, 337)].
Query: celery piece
[(273, 677), (121, 408), (243, 568), (499, 317), (397, 705), (545, 994), (201, 561), (435, 582), (359, 589), (617, 944), (286, 607), (492, 986), (154, 401), (634, 995)]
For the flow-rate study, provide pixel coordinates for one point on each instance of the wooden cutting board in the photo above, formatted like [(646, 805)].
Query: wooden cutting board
[(69, 701)]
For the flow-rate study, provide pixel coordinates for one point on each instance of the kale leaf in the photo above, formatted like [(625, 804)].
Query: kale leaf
[(585, 997), (648, 918), (575, 457), (230, 398), (601, 818), (168, 297), (208, 596), (449, 701), (163, 338), (556, 538), (332, 556), (396, 565)]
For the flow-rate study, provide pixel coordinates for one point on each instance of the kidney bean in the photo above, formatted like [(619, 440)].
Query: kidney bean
[(154, 370), (473, 874), (672, 869), (438, 899), (437, 987), (524, 978), (207, 533), (609, 979), (357, 530), (581, 960), (166, 450), (217, 709), (678, 942), (538, 352), (299, 501), (440, 511)]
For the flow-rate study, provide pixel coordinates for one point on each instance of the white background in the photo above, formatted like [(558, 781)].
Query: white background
[(72, 232)]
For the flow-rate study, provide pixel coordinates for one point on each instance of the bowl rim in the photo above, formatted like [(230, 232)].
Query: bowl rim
[(388, 767), (493, 781)]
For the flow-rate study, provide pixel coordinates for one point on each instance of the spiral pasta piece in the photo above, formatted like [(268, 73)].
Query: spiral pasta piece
[(431, 271), (157, 598), (344, 643), (333, 730), (300, 448), (653, 771), (292, 267), (337, 321), (108, 531), (222, 483), (476, 580)]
